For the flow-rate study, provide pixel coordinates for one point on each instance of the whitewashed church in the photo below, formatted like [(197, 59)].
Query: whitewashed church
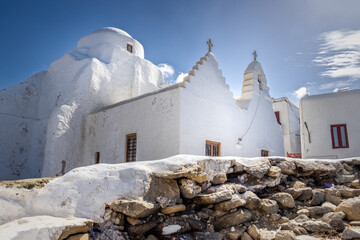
[(102, 102)]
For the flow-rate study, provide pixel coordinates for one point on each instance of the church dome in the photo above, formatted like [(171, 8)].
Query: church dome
[(112, 36)]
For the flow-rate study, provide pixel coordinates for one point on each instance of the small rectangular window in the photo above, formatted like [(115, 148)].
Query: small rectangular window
[(339, 136), (97, 157), (264, 153), (277, 114), (212, 148), (129, 48), (131, 147)]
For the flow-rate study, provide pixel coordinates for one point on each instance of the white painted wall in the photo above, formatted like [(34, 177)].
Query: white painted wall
[(209, 112), (98, 73), (321, 111), (23, 129), (289, 119), (153, 117), (52, 105)]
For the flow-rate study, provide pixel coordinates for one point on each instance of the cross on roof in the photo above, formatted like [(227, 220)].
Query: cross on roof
[(255, 55), (210, 44)]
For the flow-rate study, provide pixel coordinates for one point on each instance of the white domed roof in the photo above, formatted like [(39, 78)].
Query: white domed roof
[(111, 36), (112, 30)]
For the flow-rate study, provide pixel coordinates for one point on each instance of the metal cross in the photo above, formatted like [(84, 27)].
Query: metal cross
[(210, 44), (255, 55)]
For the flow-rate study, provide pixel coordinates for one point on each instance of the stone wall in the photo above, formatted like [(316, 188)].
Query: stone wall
[(275, 199)]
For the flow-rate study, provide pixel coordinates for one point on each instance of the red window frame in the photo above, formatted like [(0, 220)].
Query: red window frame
[(129, 47), (338, 133), (277, 114)]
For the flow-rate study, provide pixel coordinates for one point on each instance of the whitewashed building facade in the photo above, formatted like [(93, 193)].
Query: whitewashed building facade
[(288, 117), (330, 125), (104, 103), (198, 116)]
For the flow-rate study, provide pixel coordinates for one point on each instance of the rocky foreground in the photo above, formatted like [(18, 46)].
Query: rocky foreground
[(269, 198)]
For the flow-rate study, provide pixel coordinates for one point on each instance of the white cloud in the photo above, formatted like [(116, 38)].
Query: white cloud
[(166, 69), (339, 89), (180, 78), (337, 84), (340, 55), (301, 92)]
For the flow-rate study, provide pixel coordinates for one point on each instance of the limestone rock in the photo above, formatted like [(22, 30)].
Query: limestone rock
[(306, 194), (303, 212), (285, 235), (252, 200), (254, 232), (321, 168), (274, 172), (232, 219), (234, 202), (347, 192), (133, 221), (189, 188), (269, 206), (298, 184), (356, 183), (332, 215), (246, 236), (301, 218), (287, 167), (72, 230), (355, 223), (318, 198), (333, 196), (343, 178), (337, 225), (351, 233), (301, 194), (234, 233), (259, 169), (295, 192), (319, 211), (351, 208), (212, 198), (134, 208), (238, 187), (267, 235), (173, 209), (196, 224), (163, 188), (208, 236), (306, 237), (285, 200), (84, 236), (151, 237), (141, 228), (173, 225), (219, 178), (316, 226)]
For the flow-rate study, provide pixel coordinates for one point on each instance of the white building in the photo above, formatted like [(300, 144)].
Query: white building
[(288, 117), (103, 102), (330, 125)]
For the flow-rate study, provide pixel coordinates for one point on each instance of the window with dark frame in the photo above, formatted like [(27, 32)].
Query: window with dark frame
[(339, 136), (131, 147), (277, 114), (97, 157), (129, 48), (212, 148), (264, 153)]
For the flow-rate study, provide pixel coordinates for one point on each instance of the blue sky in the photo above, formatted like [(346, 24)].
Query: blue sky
[(304, 46)]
